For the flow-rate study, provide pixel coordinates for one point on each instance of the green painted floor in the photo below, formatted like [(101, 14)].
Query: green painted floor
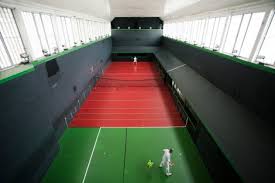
[(75, 149), (120, 156)]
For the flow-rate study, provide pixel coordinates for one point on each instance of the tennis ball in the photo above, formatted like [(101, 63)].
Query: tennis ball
[(150, 164)]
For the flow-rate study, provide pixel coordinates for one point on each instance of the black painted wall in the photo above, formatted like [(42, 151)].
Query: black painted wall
[(249, 86), (132, 38), (127, 40), (31, 105), (136, 22), (149, 57)]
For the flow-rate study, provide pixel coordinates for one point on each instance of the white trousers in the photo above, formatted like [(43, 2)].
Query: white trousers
[(165, 163)]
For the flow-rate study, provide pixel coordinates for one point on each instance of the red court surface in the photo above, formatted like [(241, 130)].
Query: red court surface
[(129, 95)]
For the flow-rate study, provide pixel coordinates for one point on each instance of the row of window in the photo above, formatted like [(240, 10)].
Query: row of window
[(46, 34), (235, 35), (11, 45)]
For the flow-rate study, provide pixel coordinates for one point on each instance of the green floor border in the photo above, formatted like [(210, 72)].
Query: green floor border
[(15, 72)]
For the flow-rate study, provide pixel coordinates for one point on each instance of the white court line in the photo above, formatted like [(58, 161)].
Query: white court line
[(126, 113), (121, 108), (119, 100), (91, 156), (184, 126), (152, 119), (133, 92), (113, 89), (176, 68), (159, 91)]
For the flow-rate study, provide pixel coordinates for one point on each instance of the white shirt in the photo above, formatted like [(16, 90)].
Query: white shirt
[(167, 155)]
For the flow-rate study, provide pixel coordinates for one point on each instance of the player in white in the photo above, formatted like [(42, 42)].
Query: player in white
[(135, 60), (166, 160)]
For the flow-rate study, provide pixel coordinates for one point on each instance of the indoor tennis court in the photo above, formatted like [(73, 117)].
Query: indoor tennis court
[(108, 91), (104, 143)]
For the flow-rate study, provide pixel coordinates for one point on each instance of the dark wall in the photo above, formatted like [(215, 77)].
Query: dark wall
[(75, 73), (31, 104), (130, 56), (249, 86), (136, 37), (136, 22)]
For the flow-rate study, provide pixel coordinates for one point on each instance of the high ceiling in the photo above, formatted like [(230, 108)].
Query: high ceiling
[(165, 9)]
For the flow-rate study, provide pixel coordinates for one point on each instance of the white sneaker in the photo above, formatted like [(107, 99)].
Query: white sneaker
[(168, 174)]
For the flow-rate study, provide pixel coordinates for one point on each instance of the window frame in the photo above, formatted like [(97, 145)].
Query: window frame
[(12, 45)]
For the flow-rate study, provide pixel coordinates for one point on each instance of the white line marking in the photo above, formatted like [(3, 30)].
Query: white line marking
[(152, 119), (130, 100), (123, 108), (159, 91), (91, 156), (176, 68), (184, 126), (106, 113)]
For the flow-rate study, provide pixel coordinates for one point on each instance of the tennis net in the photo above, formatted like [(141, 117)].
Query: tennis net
[(114, 82)]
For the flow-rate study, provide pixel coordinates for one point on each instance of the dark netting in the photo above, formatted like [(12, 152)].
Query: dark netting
[(113, 82)]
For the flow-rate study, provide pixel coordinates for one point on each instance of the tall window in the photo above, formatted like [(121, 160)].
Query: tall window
[(90, 32), (188, 30), (75, 30), (195, 31), (201, 30), (11, 45), (61, 33), (204, 32), (93, 32), (86, 29), (69, 29), (181, 31), (242, 32), (232, 33), (45, 33), (4, 55), (41, 31), (49, 32), (217, 41), (32, 35), (267, 54), (81, 30), (209, 32), (251, 34), (214, 32)]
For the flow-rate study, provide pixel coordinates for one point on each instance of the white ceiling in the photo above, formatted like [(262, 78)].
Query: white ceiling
[(97, 8), (208, 5), (137, 8), (165, 9)]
